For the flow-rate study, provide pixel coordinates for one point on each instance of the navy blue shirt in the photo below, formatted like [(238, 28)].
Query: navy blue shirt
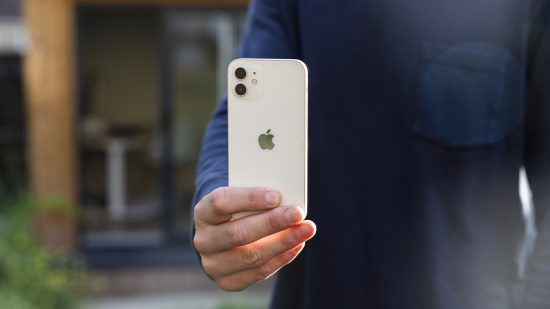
[(421, 114)]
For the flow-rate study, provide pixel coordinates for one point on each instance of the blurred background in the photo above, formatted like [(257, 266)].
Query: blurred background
[(103, 105)]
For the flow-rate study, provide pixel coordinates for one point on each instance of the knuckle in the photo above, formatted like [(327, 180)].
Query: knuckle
[(271, 221), (224, 285), (208, 265), (252, 196), (196, 211), (251, 257), (289, 241), (219, 199), (236, 234), (199, 243), (197, 220), (230, 286)]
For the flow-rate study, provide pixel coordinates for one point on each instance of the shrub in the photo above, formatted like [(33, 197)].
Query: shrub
[(30, 276)]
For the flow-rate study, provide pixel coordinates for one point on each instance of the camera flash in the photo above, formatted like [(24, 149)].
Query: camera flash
[(254, 82)]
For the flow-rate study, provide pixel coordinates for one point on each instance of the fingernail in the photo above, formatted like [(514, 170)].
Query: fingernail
[(271, 198), (293, 215)]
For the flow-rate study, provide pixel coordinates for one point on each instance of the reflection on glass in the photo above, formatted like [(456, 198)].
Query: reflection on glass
[(135, 65), (203, 45)]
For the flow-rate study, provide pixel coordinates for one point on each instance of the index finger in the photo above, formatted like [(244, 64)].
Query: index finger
[(219, 206)]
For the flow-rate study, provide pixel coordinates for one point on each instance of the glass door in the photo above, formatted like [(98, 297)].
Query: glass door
[(199, 46), (149, 82)]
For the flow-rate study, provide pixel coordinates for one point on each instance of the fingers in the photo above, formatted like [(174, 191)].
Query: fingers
[(238, 253), (218, 206), (242, 280), (246, 230), (258, 253)]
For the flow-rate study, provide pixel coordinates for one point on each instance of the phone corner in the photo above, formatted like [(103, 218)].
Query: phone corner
[(302, 64), (234, 63)]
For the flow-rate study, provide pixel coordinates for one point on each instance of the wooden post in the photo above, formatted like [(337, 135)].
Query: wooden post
[(50, 95)]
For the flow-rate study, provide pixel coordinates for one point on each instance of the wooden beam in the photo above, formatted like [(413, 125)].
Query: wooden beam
[(50, 85), (191, 3)]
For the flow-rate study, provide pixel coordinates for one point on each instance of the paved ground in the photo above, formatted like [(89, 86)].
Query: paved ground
[(185, 300), (169, 288)]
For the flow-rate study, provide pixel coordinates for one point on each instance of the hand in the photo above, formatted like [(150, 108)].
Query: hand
[(239, 253)]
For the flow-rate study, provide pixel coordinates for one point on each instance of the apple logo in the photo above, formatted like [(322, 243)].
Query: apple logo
[(266, 140)]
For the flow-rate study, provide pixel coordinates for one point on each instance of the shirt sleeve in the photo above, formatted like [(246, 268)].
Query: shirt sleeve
[(537, 155), (537, 140), (271, 32)]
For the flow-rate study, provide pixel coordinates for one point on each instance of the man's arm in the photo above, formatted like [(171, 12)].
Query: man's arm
[(238, 253), (271, 32), (537, 140), (537, 155)]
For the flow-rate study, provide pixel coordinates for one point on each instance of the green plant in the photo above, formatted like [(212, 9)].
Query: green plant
[(239, 305), (243, 301), (30, 276)]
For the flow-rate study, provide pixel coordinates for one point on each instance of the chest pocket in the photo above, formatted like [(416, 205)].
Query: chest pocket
[(468, 95)]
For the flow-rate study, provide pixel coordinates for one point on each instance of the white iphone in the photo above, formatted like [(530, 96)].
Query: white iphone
[(267, 127)]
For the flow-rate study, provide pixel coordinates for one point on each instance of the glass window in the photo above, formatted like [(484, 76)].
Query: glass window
[(150, 80)]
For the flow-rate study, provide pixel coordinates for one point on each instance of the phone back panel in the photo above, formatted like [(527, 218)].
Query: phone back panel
[(272, 115)]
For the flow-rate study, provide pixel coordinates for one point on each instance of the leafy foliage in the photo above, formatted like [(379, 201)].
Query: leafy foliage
[(30, 276)]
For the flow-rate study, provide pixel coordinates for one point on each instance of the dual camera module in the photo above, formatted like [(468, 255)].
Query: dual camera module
[(245, 81), (240, 74)]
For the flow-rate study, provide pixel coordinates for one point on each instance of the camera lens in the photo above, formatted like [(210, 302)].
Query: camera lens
[(240, 89), (240, 73)]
